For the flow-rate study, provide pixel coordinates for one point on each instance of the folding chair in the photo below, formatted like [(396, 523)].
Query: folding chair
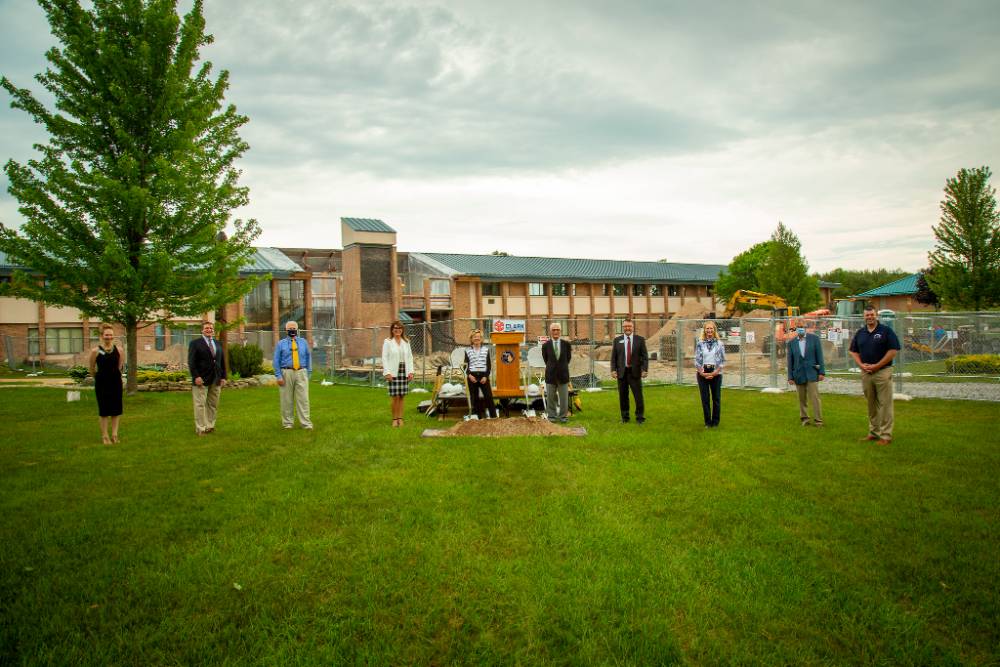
[(534, 373)]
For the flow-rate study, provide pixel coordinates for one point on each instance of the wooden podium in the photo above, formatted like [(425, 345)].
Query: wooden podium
[(508, 364)]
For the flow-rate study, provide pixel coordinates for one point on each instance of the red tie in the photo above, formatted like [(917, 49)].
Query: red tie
[(628, 351)]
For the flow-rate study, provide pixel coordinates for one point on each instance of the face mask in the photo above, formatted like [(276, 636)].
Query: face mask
[(292, 333), (801, 331)]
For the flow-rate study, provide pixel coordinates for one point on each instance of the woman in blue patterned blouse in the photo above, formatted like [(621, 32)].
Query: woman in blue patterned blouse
[(709, 358)]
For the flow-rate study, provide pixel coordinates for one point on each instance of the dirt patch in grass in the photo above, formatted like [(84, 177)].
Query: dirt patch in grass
[(505, 428)]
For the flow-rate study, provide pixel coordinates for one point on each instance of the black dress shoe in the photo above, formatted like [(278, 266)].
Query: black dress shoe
[(640, 421), (624, 420)]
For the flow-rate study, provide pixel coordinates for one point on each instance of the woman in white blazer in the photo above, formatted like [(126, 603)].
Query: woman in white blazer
[(397, 365)]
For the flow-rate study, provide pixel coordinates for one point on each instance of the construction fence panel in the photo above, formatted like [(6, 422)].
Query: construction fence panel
[(953, 355)]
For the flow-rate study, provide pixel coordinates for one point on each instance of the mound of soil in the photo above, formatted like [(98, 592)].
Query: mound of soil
[(504, 428)]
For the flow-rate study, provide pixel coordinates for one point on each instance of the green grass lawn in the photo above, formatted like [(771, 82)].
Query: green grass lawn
[(760, 542)]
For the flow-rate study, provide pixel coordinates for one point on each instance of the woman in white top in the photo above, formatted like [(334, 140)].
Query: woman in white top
[(478, 366), (709, 358), (397, 365)]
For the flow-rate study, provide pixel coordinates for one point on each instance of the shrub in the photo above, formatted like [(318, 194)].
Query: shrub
[(145, 376), (78, 372), (974, 363), (246, 360)]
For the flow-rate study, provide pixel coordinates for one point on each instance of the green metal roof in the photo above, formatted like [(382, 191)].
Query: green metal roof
[(580, 270), (907, 285), (270, 260), (263, 260), (367, 225)]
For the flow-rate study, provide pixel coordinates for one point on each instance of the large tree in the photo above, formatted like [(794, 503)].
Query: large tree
[(785, 271), (124, 205), (965, 262), (742, 273)]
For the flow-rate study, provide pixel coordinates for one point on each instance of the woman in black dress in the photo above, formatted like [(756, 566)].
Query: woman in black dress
[(106, 363)]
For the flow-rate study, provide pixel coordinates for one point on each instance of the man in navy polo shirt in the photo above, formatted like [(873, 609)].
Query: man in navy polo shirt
[(874, 347)]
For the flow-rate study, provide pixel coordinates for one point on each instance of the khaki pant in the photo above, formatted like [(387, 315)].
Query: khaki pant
[(206, 404), (295, 395), (809, 393), (878, 391)]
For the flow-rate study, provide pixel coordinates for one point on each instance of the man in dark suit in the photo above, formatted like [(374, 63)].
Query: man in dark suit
[(208, 375), (806, 370), (556, 353), (629, 364)]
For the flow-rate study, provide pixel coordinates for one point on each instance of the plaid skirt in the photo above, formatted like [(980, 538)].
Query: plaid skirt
[(399, 385)]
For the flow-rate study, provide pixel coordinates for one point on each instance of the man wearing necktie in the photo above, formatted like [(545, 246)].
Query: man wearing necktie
[(557, 354), (629, 364), (292, 366), (208, 376)]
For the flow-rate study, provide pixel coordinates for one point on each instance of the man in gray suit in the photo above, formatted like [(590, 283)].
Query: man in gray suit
[(806, 370), (557, 354)]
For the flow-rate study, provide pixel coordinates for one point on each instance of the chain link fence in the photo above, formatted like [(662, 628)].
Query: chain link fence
[(953, 355)]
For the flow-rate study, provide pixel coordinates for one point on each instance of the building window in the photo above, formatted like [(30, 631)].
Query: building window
[(62, 340), (257, 308), (656, 290), (440, 287), (491, 289), (292, 302), (618, 290), (638, 290), (160, 337), (33, 341), (560, 289), (324, 291), (4, 280), (673, 290), (604, 289), (536, 289), (710, 290)]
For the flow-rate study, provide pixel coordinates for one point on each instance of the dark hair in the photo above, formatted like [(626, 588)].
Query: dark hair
[(402, 329), (871, 308)]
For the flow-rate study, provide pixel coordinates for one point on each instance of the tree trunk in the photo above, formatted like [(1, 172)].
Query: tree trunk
[(131, 343)]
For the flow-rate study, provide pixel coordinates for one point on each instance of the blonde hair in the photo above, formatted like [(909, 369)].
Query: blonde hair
[(474, 332), (715, 328), (105, 326)]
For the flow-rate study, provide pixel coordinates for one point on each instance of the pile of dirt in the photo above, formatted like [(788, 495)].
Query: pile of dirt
[(692, 310), (505, 428)]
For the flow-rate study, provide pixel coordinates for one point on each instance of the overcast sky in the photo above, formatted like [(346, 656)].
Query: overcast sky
[(625, 130)]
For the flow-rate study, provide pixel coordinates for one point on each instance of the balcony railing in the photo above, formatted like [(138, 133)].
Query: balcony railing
[(418, 302)]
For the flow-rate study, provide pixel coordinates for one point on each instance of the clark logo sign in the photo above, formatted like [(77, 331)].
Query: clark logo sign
[(508, 326)]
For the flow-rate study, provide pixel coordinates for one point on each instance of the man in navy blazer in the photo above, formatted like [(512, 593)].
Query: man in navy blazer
[(629, 365), (208, 375), (806, 370), (556, 353)]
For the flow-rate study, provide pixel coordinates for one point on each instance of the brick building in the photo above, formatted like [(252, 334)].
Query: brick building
[(899, 295)]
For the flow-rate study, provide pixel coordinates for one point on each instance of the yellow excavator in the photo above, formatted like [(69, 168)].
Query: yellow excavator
[(773, 301)]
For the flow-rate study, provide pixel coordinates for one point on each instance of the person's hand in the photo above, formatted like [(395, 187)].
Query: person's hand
[(482, 380), (388, 377), (472, 378), (281, 382), (199, 382), (409, 377), (222, 383), (791, 381), (614, 375), (644, 374), (821, 377)]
